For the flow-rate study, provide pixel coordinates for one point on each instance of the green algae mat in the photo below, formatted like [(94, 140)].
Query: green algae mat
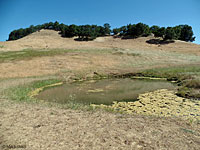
[(160, 103)]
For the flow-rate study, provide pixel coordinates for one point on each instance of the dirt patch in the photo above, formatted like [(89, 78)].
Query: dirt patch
[(41, 127)]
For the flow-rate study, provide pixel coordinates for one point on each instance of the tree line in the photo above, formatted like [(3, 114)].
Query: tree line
[(90, 32), (83, 32), (180, 32)]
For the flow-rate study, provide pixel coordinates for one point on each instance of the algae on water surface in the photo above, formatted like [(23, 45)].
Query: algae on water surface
[(160, 103)]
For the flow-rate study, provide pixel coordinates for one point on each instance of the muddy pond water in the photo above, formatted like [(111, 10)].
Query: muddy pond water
[(102, 91)]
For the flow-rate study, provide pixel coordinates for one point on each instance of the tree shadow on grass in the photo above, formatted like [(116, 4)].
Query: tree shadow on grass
[(81, 39), (85, 39), (159, 42)]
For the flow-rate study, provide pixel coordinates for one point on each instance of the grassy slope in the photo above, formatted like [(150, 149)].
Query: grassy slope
[(187, 77), (28, 54)]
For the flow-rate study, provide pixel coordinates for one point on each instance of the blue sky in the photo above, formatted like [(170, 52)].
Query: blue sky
[(15, 14)]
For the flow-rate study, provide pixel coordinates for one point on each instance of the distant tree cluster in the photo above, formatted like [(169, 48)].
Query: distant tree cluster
[(181, 32), (84, 32), (133, 30), (90, 32)]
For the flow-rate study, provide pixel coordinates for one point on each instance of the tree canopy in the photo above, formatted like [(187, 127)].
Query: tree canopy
[(90, 32), (84, 32), (180, 32)]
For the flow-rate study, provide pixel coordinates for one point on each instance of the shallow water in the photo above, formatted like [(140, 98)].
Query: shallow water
[(102, 91)]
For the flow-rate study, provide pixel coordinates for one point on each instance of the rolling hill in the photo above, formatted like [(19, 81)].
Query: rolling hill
[(49, 39)]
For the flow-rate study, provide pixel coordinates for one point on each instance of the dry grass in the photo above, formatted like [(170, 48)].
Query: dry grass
[(48, 39), (68, 62), (41, 126)]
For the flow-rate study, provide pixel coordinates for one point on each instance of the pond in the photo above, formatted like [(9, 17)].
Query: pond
[(102, 91)]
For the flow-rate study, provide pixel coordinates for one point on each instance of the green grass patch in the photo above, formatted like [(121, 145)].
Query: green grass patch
[(21, 93), (172, 71), (30, 53), (1, 46), (190, 131), (195, 83), (187, 77)]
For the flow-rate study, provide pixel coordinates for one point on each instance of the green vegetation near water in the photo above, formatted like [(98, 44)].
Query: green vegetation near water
[(21, 94), (173, 72), (187, 77)]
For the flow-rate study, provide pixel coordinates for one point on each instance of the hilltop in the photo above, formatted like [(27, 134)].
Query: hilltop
[(107, 54), (50, 39)]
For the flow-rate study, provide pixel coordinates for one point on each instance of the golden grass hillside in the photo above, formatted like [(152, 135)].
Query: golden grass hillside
[(49, 39), (28, 63)]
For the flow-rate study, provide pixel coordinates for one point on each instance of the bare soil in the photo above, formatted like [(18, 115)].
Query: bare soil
[(40, 126)]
